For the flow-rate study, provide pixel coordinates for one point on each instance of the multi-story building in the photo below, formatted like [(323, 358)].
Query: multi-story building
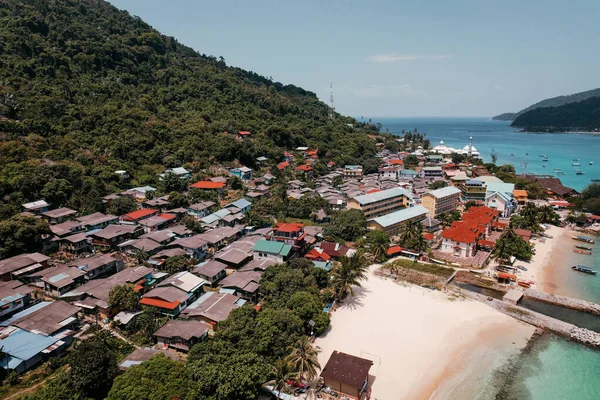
[(441, 201), (353, 171), (382, 202), (474, 189), (431, 172), (393, 223)]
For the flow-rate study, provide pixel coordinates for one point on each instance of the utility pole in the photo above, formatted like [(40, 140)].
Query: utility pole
[(331, 108)]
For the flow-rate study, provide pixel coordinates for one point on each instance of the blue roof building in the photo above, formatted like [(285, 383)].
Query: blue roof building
[(23, 349)]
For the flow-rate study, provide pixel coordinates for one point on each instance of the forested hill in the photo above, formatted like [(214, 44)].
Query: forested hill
[(584, 115), (86, 89), (552, 102)]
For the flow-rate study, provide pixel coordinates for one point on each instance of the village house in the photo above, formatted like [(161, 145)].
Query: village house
[(242, 283), (236, 254), (289, 233), (59, 215), (139, 193), (431, 172), (96, 221), (93, 296), (461, 239), (212, 308), (181, 335), (441, 201), (158, 222), (75, 244), (553, 186), (200, 210), (211, 271), (194, 246), (56, 280), (23, 264), (35, 207), (243, 135), (174, 294), (160, 203), (390, 172), (179, 172), (138, 247), (520, 196), (136, 216), (381, 202), (144, 354), (277, 251), (113, 235), (98, 266), (208, 185), (244, 173), (347, 374), (14, 296), (393, 223)]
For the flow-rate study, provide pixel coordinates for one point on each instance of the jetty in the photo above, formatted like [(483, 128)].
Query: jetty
[(561, 328)]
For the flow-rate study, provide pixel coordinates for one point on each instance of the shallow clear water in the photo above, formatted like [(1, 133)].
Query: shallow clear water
[(557, 369), (497, 136)]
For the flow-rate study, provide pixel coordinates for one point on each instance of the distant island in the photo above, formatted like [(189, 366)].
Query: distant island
[(580, 116), (552, 102)]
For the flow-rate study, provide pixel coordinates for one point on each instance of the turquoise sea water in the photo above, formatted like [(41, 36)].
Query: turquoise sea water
[(557, 369), (554, 368), (497, 136)]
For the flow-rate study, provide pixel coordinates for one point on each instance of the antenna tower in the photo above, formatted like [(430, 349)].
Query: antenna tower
[(331, 108)]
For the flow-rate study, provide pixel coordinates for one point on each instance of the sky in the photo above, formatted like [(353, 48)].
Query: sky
[(398, 58)]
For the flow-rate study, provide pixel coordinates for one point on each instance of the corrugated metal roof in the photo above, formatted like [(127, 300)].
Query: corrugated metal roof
[(443, 192), (382, 195), (400, 216), (22, 345)]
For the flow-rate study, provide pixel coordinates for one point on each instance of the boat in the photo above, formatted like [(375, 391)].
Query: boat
[(512, 154), (584, 252), (579, 172), (580, 246), (584, 239), (526, 154), (557, 170), (545, 160), (561, 173), (522, 268), (595, 180), (576, 164), (543, 155), (576, 159), (544, 165), (584, 269), (524, 284), (591, 163)]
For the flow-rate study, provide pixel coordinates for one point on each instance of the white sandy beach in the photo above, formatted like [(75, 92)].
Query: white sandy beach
[(423, 345), (543, 254)]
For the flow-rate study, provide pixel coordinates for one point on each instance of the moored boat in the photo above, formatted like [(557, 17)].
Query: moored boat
[(582, 247), (584, 269), (576, 164), (584, 252), (579, 172), (584, 239)]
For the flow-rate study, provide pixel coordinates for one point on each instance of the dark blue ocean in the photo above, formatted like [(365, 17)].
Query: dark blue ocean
[(497, 136)]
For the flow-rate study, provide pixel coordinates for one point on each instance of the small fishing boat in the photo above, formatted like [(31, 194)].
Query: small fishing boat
[(557, 170), (522, 268), (545, 160), (584, 252), (576, 164), (582, 247), (544, 165), (561, 173), (579, 172), (576, 159), (512, 154), (584, 269), (526, 154), (524, 284), (591, 163), (595, 180), (584, 239)]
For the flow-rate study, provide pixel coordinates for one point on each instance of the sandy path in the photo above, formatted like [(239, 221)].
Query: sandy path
[(419, 339), (543, 253)]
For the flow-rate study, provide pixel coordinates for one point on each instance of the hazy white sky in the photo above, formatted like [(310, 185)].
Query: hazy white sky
[(399, 57)]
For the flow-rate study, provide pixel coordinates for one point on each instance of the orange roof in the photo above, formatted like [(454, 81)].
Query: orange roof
[(330, 163), (167, 216), (208, 185), (304, 168), (312, 152), (485, 243), (373, 191), (498, 224), (286, 154), (460, 233), (244, 133), (394, 250), (288, 227), (428, 236), (520, 193), (396, 162), (135, 215), (315, 254), (483, 215), (147, 301)]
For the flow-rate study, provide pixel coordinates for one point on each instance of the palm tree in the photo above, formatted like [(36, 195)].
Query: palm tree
[(141, 255), (347, 274), (304, 358), (502, 248), (412, 236), (282, 372), (547, 215)]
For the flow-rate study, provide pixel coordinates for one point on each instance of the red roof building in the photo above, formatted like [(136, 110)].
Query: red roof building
[(244, 133), (393, 250), (304, 168), (289, 233), (138, 215), (317, 255), (396, 162), (208, 185)]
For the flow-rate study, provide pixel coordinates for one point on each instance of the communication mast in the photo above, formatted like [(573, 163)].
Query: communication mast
[(331, 108)]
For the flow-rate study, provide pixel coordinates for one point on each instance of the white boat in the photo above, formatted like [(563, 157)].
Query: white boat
[(557, 170), (579, 172), (591, 163), (576, 164)]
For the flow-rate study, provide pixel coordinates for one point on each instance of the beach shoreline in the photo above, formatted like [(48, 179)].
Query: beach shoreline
[(441, 345), (537, 266)]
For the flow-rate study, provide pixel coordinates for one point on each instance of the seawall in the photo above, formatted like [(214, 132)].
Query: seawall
[(563, 301)]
